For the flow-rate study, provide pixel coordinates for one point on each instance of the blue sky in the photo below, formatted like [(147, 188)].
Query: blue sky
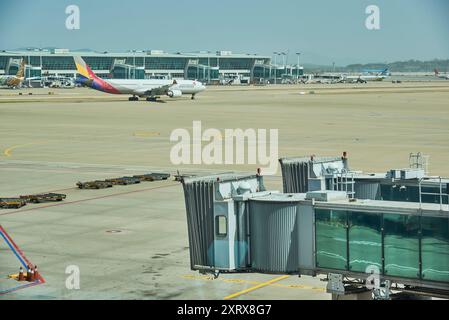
[(325, 31)]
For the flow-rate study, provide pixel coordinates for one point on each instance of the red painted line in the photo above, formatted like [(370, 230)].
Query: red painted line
[(41, 280), (85, 200), (28, 285), (20, 252), (59, 190)]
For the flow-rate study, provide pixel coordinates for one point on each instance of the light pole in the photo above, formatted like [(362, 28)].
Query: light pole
[(284, 62), (297, 67), (208, 67), (134, 62), (40, 55), (275, 66)]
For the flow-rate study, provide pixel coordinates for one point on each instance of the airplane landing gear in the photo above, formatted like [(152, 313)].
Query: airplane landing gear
[(133, 98), (152, 99), (193, 97)]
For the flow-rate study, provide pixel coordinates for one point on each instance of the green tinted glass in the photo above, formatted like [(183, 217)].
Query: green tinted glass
[(401, 245), (365, 241), (331, 243), (435, 248)]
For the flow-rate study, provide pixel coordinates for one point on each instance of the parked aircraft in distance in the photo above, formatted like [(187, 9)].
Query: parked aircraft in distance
[(151, 89), (14, 81), (441, 75), (372, 75)]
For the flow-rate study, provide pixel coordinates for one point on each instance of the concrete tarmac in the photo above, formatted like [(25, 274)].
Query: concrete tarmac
[(130, 242)]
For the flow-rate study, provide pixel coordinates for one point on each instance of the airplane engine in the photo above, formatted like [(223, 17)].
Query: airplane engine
[(174, 93)]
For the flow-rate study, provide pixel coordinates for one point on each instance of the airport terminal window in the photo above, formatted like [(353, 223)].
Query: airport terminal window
[(365, 241), (263, 72), (165, 63), (435, 248), (100, 63), (213, 62), (197, 72), (58, 63), (222, 226), (401, 245), (331, 239), (233, 63), (135, 61), (3, 62), (34, 61)]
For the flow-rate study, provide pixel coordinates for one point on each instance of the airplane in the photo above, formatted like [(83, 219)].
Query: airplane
[(151, 89), (14, 81), (442, 76), (378, 75), (385, 72)]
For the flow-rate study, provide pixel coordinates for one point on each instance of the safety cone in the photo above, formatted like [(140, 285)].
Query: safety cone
[(28, 278), (36, 273), (21, 276), (29, 274), (32, 274)]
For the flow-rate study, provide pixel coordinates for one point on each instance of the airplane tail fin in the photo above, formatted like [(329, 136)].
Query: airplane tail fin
[(21, 72), (436, 72), (83, 68)]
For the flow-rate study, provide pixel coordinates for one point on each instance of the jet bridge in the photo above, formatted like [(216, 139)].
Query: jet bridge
[(236, 225)]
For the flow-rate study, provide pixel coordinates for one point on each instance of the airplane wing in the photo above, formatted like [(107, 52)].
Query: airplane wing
[(157, 91)]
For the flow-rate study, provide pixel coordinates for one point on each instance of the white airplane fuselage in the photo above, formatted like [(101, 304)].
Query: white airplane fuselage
[(139, 87), (365, 78)]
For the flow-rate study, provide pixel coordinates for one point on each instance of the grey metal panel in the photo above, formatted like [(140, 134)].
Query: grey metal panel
[(200, 222), (200, 194), (242, 236), (274, 236), (306, 238), (295, 175), (296, 172), (367, 190)]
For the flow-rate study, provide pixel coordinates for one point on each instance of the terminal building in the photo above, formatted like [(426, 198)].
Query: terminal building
[(208, 67)]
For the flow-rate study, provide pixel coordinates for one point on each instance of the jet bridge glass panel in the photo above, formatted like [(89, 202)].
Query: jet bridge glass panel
[(401, 245), (331, 239), (365, 241), (435, 248)]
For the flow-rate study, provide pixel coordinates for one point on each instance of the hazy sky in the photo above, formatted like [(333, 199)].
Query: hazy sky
[(323, 30)]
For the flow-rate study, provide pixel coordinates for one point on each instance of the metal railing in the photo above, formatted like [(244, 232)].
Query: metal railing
[(419, 161), (439, 194), (344, 182)]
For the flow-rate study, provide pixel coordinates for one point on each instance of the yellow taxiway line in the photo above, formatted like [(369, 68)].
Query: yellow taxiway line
[(255, 282), (7, 152), (144, 134), (261, 285)]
